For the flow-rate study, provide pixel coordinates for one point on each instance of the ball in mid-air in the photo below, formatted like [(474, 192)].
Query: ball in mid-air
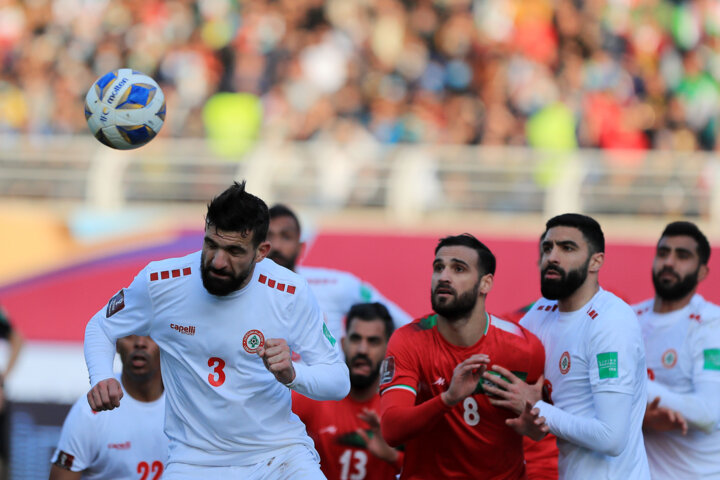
[(125, 109)]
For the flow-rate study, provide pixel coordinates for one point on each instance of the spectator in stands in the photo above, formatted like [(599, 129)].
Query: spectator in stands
[(396, 69)]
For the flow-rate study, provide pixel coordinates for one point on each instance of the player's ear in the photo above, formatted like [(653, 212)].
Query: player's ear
[(703, 272), (262, 250), (596, 261), (486, 283)]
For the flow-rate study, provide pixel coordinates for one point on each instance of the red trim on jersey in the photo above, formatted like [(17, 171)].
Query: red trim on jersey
[(154, 276), (271, 283), (176, 273), (165, 275), (281, 287), (291, 289), (262, 278), (186, 271), (403, 420)]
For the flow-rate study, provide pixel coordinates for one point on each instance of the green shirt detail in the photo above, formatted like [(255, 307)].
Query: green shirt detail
[(607, 365)]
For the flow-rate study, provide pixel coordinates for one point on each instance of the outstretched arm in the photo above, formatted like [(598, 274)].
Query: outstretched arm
[(701, 408), (106, 392), (607, 432)]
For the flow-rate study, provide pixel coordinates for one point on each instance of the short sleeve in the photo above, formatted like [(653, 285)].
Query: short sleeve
[(614, 351), (399, 369), (77, 446), (129, 311), (311, 338), (704, 343)]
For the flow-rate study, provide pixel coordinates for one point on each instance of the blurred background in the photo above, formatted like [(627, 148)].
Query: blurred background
[(385, 123)]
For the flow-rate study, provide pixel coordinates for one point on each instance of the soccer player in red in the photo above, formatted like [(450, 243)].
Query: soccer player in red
[(431, 383), (347, 433)]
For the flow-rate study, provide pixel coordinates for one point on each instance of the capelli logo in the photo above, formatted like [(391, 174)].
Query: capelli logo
[(189, 330), (120, 446)]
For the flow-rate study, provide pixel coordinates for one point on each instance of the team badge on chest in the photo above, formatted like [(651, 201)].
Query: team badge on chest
[(669, 358), (253, 340), (564, 363)]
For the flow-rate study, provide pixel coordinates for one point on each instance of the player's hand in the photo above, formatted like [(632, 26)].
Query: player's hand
[(105, 395), (529, 423), (465, 378), (277, 359), (663, 419), (375, 443), (512, 393)]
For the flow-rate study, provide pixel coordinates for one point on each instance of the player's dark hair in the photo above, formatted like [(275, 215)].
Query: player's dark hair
[(486, 259), (236, 210), (368, 312), (588, 226), (279, 210), (681, 228)]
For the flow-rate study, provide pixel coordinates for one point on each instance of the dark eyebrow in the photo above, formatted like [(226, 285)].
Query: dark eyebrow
[(566, 243)]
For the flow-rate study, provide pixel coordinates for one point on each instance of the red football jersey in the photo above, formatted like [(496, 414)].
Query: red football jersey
[(332, 426), (472, 440)]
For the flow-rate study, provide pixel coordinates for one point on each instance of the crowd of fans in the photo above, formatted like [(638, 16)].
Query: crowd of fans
[(558, 74)]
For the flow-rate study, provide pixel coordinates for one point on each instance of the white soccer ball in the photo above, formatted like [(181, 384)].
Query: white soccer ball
[(125, 109)]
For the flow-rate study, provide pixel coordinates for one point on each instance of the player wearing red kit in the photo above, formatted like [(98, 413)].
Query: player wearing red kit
[(347, 432), (431, 383)]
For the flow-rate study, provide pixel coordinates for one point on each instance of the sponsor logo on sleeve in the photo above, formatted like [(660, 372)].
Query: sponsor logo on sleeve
[(115, 304), (607, 365), (253, 340), (65, 460), (712, 359), (328, 335), (387, 370)]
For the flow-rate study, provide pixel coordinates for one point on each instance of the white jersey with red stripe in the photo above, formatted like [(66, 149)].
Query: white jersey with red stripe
[(680, 348), (336, 291), (597, 348), (126, 443), (223, 406)]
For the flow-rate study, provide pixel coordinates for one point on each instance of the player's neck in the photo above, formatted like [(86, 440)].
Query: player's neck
[(147, 391), (666, 306), (465, 331), (364, 394), (581, 296)]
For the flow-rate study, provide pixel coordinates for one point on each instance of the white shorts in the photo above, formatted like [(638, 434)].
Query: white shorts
[(297, 462)]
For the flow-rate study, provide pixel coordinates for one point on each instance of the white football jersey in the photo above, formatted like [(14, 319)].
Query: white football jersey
[(126, 443), (336, 291), (223, 406), (597, 348), (677, 346)]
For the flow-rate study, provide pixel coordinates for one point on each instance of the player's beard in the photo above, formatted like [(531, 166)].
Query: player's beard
[(566, 285), (677, 290), (363, 381), (218, 286), (282, 260), (459, 307)]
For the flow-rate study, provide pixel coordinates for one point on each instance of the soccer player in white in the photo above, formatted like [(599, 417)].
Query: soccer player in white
[(123, 444), (594, 361), (681, 331), (225, 320), (335, 290)]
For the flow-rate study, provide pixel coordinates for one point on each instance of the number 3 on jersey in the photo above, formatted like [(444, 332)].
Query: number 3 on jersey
[(216, 378), (353, 470)]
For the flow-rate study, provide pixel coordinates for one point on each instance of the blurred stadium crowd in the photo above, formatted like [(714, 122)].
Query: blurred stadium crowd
[(559, 74)]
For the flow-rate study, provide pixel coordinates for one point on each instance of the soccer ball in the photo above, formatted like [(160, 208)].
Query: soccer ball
[(125, 109)]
